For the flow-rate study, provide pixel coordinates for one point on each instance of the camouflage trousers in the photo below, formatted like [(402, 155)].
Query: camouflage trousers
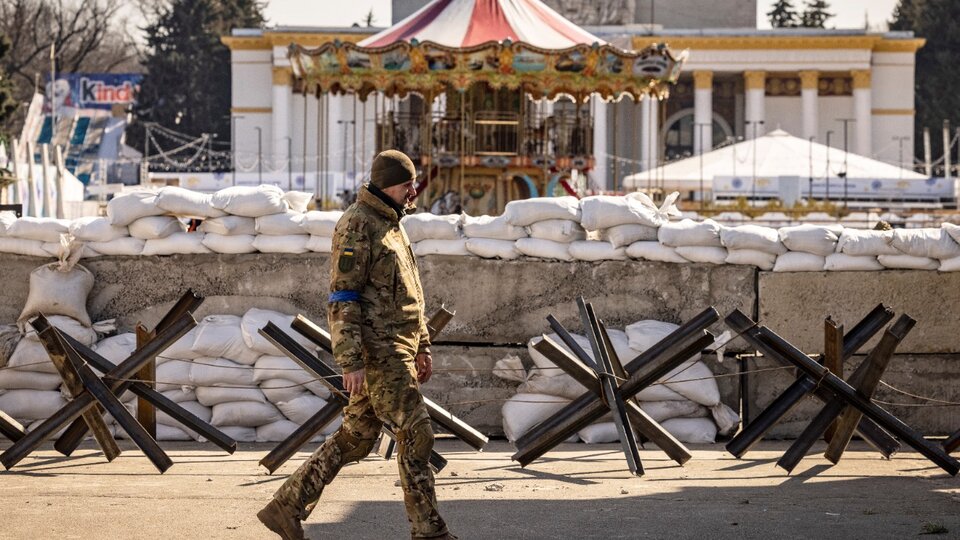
[(392, 396)]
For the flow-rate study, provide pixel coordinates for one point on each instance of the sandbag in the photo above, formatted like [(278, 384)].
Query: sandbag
[(692, 430), (816, 239), (654, 251), (557, 230), (950, 265), (223, 243), (181, 394), (125, 208), (172, 433), (43, 229), (6, 220), (624, 235), (280, 430), (28, 405), (151, 227), (221, 336), (952, 229), (220, 372), (490, 248), (283, 224), (229, 225), (255, 319), (752, 237), (215, 395), (426, 226), (510, 368), (491, 227), (56, 292), (548, 368), (294, 243), (841, 262), (644, 334), (440, 247), (174, 375), (562, 385), (859, 243), (244, 414), (198, 409), (184, 202), (703, 254), (250, 201), (660, 411), (16, 379), (297, 201), (72, 327), (591, 250), (182, 242), (95, 229), (20, 246), (605, 211), (283, 368), (182, 349), (237, 433), (694, 381), (523, 411), (688, 232), (543, 249), (599, 433), (529, 211), (931, 243), (321, 223), (277, 390), (727, 419), (126, 246), (798, 261), (751, 257), (320, 244), (658, 392), (29, 355), (301, 408), (908, 262)]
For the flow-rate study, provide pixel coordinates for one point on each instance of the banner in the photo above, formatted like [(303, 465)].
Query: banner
[(91, 90)]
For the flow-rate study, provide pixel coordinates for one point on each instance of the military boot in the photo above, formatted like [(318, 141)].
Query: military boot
[(279, 520)]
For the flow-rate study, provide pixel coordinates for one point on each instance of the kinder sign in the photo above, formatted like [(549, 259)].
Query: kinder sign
[(92, 90)]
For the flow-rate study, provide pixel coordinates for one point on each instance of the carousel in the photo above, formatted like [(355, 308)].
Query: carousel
[(491, 98)]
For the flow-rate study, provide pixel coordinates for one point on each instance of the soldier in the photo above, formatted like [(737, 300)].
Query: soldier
[(380, 340)]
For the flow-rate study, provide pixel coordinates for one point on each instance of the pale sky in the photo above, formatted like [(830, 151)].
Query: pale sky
[(850, 13)]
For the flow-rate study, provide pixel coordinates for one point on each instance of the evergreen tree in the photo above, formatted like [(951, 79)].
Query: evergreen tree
[(783, 15), (187, 84), (815, 15), (7, 102)]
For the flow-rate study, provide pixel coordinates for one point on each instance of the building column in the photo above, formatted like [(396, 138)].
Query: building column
[(649, 132), (862, 112), (282, 96), (809, 95), (702, 111), (600, 146), (754, 84)]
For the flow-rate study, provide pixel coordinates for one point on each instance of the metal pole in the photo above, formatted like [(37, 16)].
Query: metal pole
[(947, 147), (927, 158), (316, 184), (810, 158), (290, 162), (829, 134), (53, 85), (259, 154), (233, 145), (846, 122), (699, 130), (306, 98)]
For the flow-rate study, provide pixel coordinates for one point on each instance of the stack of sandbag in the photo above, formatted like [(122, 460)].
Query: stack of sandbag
[(33, 236), (430, 234), (924, 249), (619, 222), (752, 245), (492, 237), (320, 226), (551, 223), (809, 246), (693, 241)]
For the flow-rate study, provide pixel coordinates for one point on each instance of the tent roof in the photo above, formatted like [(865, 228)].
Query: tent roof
[(778, 154), (465, 23)]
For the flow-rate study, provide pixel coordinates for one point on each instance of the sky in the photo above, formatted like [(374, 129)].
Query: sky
[(849, 13)]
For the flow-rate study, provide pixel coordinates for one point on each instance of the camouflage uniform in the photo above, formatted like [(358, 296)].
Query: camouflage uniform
[(376, 315)]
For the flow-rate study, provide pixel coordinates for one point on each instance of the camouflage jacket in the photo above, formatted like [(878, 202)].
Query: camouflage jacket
[(376, 307)]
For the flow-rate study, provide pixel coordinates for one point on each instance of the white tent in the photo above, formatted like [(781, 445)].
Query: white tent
[(784, 165)]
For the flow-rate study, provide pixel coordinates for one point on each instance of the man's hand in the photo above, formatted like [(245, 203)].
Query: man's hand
[(353, 381), (424, 366)]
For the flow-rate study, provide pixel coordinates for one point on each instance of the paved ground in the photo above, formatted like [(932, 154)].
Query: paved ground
[(579, 491)]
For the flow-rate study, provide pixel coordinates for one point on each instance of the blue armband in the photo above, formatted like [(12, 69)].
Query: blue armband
[(344, 296)]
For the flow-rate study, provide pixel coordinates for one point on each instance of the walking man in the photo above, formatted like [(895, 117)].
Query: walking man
[(380, 340)]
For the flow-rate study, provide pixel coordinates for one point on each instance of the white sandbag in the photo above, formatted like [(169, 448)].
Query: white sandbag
[(624, 235), (703, 254), (528, 211), (548, 368), (250, 201), (621, 345), (599, 433), (182, 242), (223, 243), (491, 227), (297, 201), (28, 405), (557, 230), (320, 244), (798, 261), (753, 237), (816, 239), (841, 262), (908, 262), (427, 226), (125, 208), (220, 372), (658, 392), (56, 292), (295, 243), (654, 251), (229, 225), (321, 223), (543, 249), (215, 395), (605, 211), (688, 232), (561, 385), (29, 355), (20, 246), (694, 381), (255, 319), (181, 394), (68, 325), (952, 229), (56, 435), (172, 433), (523, 411), (860, 243), (950, 265), (441, 247), (174, 375), (283, 368), (490, 248), (644, 334), (6, 220), (237, 433), (221, 336), (277, 390), (931, 243), (692, 430), (592, 250), (244, 414), (301, 408), (95, 229), (182, 349), (510, 368), (184, 202), (56, 249), (198, 409), (16, 379), (43, 229), (148, 228), (283, 224), (280, 430), (126, 246), (726, 419), (751, 257), (660, 411)]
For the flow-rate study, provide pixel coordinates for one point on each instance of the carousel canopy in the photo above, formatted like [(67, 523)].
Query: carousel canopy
[(466, 23)]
